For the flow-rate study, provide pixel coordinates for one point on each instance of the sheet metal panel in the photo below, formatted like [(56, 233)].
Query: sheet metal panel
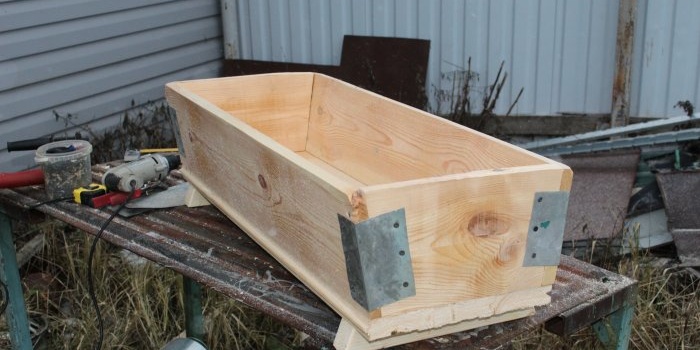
[(21, 14), (28, 99), (98, 112), (52, 36), (75, 59), (93, 58), (666, 67), (561, 52)]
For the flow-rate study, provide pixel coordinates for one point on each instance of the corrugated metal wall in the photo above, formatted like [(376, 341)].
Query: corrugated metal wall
[(666, 65), (93, 58), (561, 52)]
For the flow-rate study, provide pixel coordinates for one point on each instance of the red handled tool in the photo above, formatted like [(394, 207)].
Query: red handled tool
[(113, 198), (22, 178)]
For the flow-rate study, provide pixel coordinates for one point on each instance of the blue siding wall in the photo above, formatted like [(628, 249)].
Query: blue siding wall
[(93, 58)]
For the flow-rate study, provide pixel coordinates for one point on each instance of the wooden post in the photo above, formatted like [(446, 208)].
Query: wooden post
[(619, 115), (615, 333), (9, 275)]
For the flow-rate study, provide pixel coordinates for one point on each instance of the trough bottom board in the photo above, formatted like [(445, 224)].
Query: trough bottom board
[(348, 338)]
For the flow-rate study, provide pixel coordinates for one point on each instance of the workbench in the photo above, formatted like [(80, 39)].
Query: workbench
[(209, 250)]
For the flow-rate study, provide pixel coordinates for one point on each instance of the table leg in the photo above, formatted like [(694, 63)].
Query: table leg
[(16, 313), (194, 320), (615, 332)]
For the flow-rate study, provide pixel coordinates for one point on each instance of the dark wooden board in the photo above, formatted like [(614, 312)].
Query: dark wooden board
[(392, 67)]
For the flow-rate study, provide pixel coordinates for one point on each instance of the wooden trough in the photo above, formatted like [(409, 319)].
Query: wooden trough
[(409, 226)]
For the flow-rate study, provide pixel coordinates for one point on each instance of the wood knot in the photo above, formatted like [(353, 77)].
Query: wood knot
[(509, 250), (488, 223), (262, 182)]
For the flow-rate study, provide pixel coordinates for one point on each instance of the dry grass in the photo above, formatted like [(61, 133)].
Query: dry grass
[(143, 309), (141, 302), (667, 309)]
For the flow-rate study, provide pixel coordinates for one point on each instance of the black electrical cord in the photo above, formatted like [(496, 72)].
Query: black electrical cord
[(91, 286), (34, 206)]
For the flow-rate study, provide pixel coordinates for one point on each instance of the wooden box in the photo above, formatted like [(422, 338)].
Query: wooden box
[(309, 166)]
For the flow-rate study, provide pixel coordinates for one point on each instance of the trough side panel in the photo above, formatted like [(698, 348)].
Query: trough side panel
[(284, 205), (377, 140), (275, 104), (467, 233)]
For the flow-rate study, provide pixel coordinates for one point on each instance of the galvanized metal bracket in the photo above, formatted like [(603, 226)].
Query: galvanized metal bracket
[(546, 233), (377, 259)]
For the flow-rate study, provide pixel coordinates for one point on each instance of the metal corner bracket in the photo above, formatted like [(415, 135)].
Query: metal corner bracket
[(546, 232), (377, 259)]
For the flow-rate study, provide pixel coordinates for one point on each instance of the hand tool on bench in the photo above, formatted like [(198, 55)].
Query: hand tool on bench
[(128, 176), (32, 144)]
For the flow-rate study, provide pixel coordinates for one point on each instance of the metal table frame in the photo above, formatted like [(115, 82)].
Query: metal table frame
[(208, 249)]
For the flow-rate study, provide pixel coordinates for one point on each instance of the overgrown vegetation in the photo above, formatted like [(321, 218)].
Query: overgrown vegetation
[(146, 126), (141, 302), (686, 106), (457, 100), (667, 309)]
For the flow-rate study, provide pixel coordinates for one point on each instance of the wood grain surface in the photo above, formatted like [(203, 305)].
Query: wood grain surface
[(468, 197), (286, 204), (377, 140), (467, 232), (279, 108)]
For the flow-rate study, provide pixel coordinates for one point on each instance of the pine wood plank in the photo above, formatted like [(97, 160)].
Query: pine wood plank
[(348, 338), (195, 199), (467, 232), (550, 274), (437, 317), (275, 104), (286, 204), (331, 170), (377, 140)]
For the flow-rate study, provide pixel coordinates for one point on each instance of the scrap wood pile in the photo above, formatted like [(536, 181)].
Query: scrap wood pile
[(634, 187)]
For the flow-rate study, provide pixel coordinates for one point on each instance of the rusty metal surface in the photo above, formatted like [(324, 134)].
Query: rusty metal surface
[(624, 53), (681, 195), (203, 244), (600, 194)]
